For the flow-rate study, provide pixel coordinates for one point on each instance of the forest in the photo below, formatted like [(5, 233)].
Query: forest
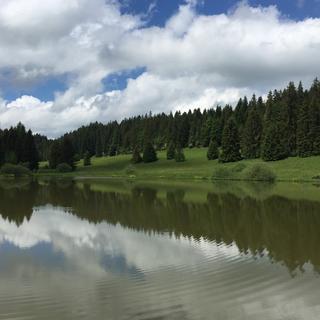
[(285, 124)]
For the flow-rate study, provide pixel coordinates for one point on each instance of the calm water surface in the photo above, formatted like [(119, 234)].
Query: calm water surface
[(119, 250)]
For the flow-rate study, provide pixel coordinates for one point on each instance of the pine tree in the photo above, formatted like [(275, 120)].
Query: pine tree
[(149, 153), (179, 155), (213, 151), (136, 157), (251, 136), (87, 159), (170, 151), (230, 144)]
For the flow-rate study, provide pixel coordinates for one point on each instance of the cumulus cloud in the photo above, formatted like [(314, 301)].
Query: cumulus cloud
[(192, 61)]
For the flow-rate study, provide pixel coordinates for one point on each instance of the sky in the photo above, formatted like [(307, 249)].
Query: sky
[(64, 64)]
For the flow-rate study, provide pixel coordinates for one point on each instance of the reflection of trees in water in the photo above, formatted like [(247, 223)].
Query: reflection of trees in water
[(287, 229), (17, 199)]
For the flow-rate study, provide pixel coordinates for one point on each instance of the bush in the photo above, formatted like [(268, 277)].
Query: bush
[(260, 172), (222, 173), (15, 170), (63, 168)]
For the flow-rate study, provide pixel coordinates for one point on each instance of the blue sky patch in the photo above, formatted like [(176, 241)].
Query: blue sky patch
[(119, 80)]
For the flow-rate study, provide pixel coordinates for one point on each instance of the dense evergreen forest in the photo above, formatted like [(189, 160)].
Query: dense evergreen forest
[(18, 146), (285, 124)]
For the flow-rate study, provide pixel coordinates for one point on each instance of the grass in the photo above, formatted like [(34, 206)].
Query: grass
[(196, 166)]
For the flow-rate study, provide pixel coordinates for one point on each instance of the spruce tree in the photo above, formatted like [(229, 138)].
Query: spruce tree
[(55, 154), (304, 142), (230, 145), (136, 157), (170, 151), (30, 152), (67, 152), (149, 153), (275, 142), (291, 100), (272, 147), (251, 136), (98, 145), (213, 151), (87, 159)]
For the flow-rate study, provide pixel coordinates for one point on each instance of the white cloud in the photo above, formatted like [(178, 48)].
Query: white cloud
[(194, 60)]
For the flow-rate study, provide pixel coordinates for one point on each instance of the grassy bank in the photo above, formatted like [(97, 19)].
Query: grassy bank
[(196, 167)]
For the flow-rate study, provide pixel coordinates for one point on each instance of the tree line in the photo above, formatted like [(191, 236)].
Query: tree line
[(286, 123), (18, 146)]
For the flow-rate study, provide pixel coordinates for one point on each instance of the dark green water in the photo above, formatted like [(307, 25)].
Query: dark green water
[(118, 250)]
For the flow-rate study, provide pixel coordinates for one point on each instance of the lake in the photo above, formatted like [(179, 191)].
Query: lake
[(103, 249)]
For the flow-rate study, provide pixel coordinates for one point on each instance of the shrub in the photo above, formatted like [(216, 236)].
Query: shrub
[(63, 168), (260, 172), (15, 170), (221, 173)]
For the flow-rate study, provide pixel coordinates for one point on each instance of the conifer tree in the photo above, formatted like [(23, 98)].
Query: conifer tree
[(30, 152), (272, 147), (55, 154), (230, 145), (170, 151), (291, 100), (87, 159), (314, 117), (275, 142), (136, 157), (251, 136), (67, 152), (304, 142), (149, 153), (213, 151), (98, 146)]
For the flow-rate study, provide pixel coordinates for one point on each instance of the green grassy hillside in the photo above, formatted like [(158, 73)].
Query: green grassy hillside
[(195, 167)]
